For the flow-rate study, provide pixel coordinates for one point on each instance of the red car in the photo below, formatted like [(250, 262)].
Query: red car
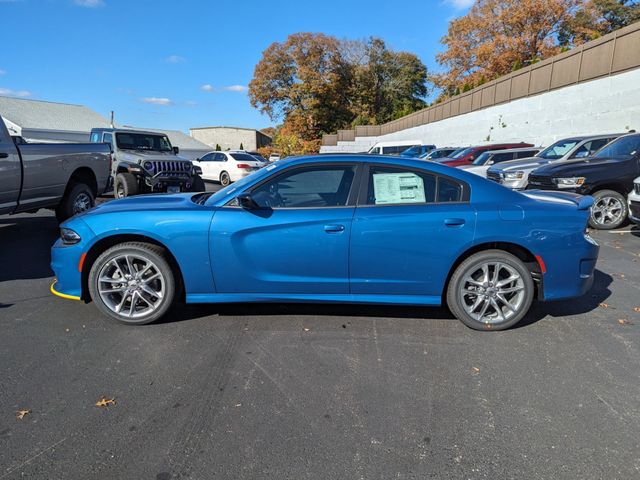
[(468, 155)]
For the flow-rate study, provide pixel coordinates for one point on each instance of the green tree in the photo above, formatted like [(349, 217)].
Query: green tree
[(218, 147), (241, 146), (386, 84), (594, 18)]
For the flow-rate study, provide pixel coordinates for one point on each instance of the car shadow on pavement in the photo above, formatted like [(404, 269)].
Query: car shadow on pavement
[(25, 246), (539, 310), (577, 306)]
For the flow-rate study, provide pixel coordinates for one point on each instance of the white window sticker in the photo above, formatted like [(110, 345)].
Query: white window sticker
[(398, 188)]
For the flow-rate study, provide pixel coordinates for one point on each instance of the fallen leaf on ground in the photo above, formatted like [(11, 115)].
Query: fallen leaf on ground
[(66, 329), (20, 414), (604, 305), (476, 370), (306, 329), (105, 402), (636, 309), (238, 404)]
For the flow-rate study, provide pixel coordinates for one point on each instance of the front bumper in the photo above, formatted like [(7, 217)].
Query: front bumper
[(634, 208), (65, 262)]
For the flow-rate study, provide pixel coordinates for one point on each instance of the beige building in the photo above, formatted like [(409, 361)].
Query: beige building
[(231, 138)]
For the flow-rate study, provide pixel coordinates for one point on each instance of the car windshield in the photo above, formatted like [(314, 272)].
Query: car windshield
[(143, 141), (461, 153), (412, 151), (243, 157), (622, 147), (558, 149), (239, 185), (483, 158)]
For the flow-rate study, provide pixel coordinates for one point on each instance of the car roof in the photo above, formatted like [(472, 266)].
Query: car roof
[(127, 130), (514, 150)]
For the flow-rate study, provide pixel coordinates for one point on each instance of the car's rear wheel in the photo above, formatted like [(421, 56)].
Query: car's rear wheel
[(132, 282), (225, 179), (490, 290), (609, 210), (79, 198)]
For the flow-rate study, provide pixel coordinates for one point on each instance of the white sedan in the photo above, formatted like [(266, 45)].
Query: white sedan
[(227, 167)]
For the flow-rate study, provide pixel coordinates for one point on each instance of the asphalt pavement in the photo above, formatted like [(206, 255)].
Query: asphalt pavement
[(316, 391)]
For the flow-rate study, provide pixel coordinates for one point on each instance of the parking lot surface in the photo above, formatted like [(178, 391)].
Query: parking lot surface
[(310, 391)]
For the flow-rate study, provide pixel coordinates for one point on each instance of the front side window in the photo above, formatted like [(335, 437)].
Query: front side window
[(462, 152), (483, 158), (108, 138), (622, 147), (589, 148), (312, 187), (95, 137), (207, 158)]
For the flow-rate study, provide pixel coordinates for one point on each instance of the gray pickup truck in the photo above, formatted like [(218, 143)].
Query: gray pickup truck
[(145, 162), (66, 177)]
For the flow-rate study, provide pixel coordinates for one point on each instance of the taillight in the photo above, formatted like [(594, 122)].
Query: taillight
[(243, 165)]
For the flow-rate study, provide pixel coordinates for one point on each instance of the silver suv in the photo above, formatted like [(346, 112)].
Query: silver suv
[(146, 162), (515, 174)]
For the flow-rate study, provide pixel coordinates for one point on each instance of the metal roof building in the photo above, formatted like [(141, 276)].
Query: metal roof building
[(42, 121)]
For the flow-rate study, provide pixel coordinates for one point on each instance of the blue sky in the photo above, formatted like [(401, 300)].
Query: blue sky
[(167, 64)]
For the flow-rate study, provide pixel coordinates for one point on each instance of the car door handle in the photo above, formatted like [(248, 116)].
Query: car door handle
[(4, 155), (334, 228), (454, 222)]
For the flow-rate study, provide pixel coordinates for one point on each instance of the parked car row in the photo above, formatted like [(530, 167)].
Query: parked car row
[(603, 166)]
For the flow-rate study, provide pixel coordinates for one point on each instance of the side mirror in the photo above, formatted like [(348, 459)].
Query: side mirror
[(247, 202), (176, 150), (490, 162), (582, 154), (197, 170)]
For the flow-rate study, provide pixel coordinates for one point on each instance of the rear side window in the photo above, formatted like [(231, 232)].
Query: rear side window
[(528, 153), (399, 186)]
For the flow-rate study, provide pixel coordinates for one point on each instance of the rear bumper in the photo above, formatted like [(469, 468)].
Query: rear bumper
[(571, 271)]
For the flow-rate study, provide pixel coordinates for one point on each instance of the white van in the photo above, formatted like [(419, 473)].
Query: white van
[(393, 148)]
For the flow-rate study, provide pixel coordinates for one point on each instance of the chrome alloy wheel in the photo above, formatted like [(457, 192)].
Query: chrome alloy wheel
[(82, 203), (131, 285), (492, 292), (607, 211)]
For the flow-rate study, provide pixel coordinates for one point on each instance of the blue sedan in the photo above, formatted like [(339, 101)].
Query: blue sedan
[(347, 229)]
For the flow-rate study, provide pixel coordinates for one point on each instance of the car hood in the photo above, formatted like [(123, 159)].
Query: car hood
[(178, 201), (583, 165), (528, 163), (140, 155)]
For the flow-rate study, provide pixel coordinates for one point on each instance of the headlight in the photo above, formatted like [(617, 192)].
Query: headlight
[(513, 175), (69, 237), (148, 166), (568, 182)]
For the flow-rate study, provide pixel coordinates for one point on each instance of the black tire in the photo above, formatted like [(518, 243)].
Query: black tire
[(225, 179), (609, 210), (125, 185), (78, 198), (489, 293), (198, 184), (165, 282)]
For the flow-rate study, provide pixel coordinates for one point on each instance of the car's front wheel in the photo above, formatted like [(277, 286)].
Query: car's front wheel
[(132, 282), (490, 290), (609, 210)]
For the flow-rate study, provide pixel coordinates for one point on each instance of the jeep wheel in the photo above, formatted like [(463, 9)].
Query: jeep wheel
[(609, 210), (125, 185), (225, 179), (198, 184), (78, 198)]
